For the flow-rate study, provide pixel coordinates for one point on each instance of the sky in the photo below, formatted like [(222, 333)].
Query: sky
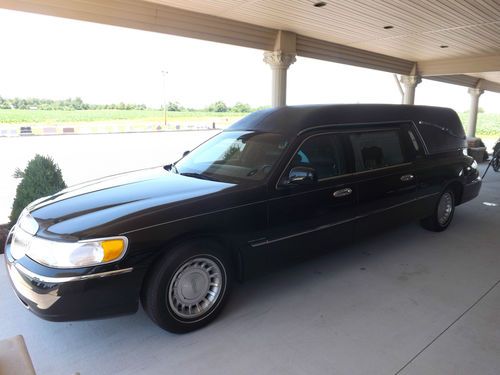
[(55, 58)]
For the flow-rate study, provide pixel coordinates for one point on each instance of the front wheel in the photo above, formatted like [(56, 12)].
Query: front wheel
[(188, 287), (443, 213)]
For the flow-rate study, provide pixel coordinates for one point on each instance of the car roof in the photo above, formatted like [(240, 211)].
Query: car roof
[(292, 120)]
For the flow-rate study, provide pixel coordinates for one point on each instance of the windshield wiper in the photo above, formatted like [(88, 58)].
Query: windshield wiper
[(200, 176)]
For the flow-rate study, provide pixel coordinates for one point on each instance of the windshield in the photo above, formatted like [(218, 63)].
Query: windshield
[(233, 156)]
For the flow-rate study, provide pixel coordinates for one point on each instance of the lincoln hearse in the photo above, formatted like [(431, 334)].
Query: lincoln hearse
[(277, 184)]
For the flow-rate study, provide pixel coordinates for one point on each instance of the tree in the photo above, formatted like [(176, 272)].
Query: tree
[(174, 107), (40, 178), (241, 107), (219, 106)]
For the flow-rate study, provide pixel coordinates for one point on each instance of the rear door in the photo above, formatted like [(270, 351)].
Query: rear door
[(384, 178)]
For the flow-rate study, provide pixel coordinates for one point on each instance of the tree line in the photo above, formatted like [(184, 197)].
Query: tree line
[(77, 103), (65, 104)]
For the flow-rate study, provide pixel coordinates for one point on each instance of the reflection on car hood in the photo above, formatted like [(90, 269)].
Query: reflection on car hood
[(95, 203)]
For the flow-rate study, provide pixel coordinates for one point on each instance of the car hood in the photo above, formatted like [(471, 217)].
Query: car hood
[(119, 203)]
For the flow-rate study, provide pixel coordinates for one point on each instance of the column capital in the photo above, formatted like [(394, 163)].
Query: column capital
[(475, 91), (410, 81), (279, 59)]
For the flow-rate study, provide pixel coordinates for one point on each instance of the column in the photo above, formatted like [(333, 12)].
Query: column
[(409, 83), (475, 93), (279, 62)]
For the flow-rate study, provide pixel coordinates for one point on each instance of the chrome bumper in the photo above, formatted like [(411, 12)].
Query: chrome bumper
[(43, 291)]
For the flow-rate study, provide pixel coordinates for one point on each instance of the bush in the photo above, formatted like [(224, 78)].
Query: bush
[(4, 231), (41, 177)]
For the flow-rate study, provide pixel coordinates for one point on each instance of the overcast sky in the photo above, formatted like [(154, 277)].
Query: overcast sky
[(55, 58)]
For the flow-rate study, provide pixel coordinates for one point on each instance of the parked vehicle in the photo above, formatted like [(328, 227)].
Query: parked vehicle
[(277, 184), (495, 162), (495, 159)]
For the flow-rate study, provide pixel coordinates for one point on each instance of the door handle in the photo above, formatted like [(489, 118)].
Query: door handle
[(342, 192), (407, 177)]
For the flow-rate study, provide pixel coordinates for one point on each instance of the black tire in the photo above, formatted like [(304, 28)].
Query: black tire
[(496, 164), (164, 298), (436, 222)]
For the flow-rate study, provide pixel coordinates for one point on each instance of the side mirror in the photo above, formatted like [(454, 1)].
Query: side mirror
[(185, 153), (302, 176)]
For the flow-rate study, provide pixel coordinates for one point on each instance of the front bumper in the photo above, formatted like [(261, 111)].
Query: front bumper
[(74, 297)]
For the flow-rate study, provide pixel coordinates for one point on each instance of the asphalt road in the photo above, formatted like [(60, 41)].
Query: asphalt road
[(86, 157)]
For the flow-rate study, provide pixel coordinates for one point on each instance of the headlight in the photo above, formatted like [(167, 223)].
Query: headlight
[(68, 254), (27, 223), (474, 165)]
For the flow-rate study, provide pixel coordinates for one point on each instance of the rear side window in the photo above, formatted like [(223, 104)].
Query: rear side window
[(376, 149), (323, 152)]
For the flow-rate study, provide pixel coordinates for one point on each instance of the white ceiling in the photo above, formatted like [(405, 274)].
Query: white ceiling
[(468, 27)]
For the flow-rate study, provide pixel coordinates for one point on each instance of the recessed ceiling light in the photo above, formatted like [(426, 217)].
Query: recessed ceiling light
[(319, 4), (388, 27), (443, 46)]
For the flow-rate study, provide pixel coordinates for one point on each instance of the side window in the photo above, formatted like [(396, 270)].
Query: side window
[(376, 149), (325, 153)]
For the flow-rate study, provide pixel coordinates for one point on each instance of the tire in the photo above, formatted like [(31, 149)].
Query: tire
[(443, 213), (496, 163), (188, 287)]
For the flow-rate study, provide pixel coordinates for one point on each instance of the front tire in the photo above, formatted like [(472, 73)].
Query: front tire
[(443, 213), (188, 287)]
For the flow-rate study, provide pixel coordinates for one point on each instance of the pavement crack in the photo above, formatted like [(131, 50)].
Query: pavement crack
[(447, 328)]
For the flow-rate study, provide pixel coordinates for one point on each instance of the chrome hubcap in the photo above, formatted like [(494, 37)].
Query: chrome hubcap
[(445, 208), (195, 287)]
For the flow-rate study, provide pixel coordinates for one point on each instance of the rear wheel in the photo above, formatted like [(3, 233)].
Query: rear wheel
[(496, 163), (188, 287), (443, 213)]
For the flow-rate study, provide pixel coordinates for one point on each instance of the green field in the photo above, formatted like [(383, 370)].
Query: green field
[(24, 116), (488, 123)]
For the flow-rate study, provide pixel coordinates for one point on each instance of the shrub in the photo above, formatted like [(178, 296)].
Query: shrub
[(4, 231), (41, 177)]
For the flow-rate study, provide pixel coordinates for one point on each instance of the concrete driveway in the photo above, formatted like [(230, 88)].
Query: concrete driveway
[(405, 302)]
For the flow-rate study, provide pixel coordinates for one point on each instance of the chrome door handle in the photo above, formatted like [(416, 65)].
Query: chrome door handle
[(342, 192), (407, 177)]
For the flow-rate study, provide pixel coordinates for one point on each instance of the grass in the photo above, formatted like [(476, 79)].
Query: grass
[(25, 116), (488, 123)]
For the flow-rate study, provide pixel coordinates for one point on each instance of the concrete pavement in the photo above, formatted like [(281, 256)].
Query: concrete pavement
[(407, 301)]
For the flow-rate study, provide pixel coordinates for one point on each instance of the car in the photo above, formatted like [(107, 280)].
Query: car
[(278, 184)]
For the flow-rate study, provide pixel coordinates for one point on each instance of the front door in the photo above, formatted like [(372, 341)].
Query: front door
[(304, 218)]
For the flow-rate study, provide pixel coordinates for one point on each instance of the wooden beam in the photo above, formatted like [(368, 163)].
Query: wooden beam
[(467, 81), (328, 51), (459, 66)]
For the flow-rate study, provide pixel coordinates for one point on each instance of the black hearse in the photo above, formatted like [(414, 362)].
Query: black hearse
[(275, 184)]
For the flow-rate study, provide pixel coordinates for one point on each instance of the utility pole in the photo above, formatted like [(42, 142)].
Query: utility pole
[(164, 73)]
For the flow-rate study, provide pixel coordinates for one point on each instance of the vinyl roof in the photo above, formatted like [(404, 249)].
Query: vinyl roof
[(291, 120)]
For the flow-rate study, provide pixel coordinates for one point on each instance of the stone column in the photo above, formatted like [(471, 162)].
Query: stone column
[(410, 83), (475, 93), (279, 63)]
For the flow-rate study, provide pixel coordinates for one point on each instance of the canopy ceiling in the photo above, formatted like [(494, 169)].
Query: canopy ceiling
[(455, 41)]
